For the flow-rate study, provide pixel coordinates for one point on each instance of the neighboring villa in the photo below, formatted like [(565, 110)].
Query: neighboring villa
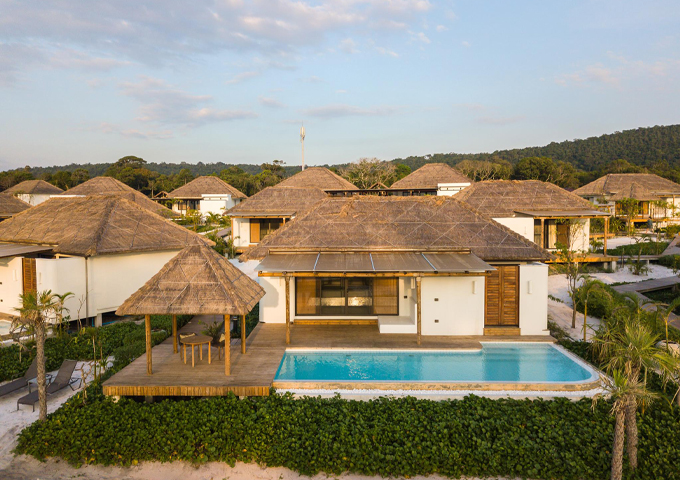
[(658, 198), (111, 186), (417, 264), (433, 179), (10, 205), (33, 192), (268, 210), (536, 210), (207, 194), (101, 248)]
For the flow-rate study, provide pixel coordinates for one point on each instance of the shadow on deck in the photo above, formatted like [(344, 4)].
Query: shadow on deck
[(252, 374)]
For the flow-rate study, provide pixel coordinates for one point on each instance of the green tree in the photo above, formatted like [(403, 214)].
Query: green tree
[(400, 171), (35, 309), (629, 208), (366, 172)]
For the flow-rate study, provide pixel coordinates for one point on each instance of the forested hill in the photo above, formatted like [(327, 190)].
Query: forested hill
[(642, 146)]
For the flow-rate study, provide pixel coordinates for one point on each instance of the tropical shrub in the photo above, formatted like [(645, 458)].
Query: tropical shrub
[(642, 248)]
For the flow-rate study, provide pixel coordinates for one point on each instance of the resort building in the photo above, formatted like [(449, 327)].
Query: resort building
[(101, 248), (658, 198), (207, 194), (432, 179), (33, 192), (270, 209), (10, 205), (415, 265), (539, 211)]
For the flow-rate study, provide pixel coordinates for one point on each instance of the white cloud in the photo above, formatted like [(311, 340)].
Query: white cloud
[(131, 132), (243, 76), (341, 91), (164, 104), (312, 79), (348, 46), (466, 44), (384, 51), (72, 59), (420, 36), (270, 102), (441, 28), (336, 111), (470, 106)]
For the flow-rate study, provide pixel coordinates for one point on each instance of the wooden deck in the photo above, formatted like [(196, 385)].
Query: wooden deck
[(253, 373)]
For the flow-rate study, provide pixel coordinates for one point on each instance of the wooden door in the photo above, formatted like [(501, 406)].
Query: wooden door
[(502, 297), (563, 234), (254, 231), (30, 281)]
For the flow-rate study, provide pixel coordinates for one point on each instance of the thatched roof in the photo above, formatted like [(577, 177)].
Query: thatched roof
[(502, 198), (367, 222), (208, 185), (285, 201), (318, 177), (34, 187), (198, 281), (111, 186), (96, 225), (640, 186), (10, 205), (430, 175)]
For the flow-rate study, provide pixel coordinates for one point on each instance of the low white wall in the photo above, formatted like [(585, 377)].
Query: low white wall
[(241, 232), (521, 225), (217, 204), (63, 275), (33, 199), (458, 310), (113, 278), (11, 284), (533, 299)]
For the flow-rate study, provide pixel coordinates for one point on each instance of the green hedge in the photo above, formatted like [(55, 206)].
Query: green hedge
[(648, 248), (79, 346), (389, 437)]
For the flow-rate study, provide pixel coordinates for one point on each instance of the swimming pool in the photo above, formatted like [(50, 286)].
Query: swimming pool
[(495, 363)]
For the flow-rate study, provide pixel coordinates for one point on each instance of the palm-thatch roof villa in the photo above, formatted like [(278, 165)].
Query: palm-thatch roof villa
[(111, 186), (427, 265), (33, 192), (432, 179), (101, 248), (268, 210), (658, 198), (208, 194), (536, 210), (10, 205)]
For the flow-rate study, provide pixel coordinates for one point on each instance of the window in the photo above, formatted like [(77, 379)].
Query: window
[(261, 227), (353, 296)]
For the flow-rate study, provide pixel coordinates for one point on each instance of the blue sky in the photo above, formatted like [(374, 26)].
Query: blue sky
[(231, 80)]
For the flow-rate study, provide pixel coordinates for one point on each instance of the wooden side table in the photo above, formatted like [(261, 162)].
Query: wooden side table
[(193, 341)]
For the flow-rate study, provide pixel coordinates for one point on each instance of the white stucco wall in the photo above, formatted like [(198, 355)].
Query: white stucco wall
[(533, 299), (273, 304), (450, 189), (217, 204), (521, 225), (33, 199), (63, 275), (241, 232), (11, 284), (458, 310), (113, 278)]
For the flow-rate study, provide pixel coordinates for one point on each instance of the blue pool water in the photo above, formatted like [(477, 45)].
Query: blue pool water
[(521, 363)]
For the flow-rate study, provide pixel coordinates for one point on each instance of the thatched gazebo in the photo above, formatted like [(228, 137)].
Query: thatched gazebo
[(198, 281)]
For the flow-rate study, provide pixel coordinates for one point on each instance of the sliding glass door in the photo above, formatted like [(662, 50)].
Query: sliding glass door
[(346, 296)]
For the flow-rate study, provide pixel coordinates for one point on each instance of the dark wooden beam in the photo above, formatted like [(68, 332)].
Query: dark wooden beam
[(147, 328)]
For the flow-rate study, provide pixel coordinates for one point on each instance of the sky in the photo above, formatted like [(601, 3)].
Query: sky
[(232, 80)]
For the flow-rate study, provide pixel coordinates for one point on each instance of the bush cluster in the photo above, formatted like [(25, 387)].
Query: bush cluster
[(648, 248), (79, 346)]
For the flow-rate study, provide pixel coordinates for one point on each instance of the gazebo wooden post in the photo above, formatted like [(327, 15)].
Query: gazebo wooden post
[(606, 231), (419, 306), (147, 328), (227, 346), (287, 310), (243, 334), (174, 333)]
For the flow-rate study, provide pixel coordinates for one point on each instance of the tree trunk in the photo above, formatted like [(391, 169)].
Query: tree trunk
[(42, 384), (631, 432), (585, 320), (573, 314), (617, 448)]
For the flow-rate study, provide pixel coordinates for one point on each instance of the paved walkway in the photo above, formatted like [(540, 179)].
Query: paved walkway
[(639, 288), (674, 247)]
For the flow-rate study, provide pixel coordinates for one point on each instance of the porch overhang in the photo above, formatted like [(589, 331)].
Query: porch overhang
[(287, 214), (374, 264), (17, 249), (564, 213)]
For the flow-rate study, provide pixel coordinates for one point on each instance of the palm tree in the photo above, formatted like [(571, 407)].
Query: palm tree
[(621, 388), (630, 350), (665, 310), (589, 286), (35, 308)]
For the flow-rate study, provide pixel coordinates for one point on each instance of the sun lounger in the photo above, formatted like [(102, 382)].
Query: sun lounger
[(20, 382), (63, 379)]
